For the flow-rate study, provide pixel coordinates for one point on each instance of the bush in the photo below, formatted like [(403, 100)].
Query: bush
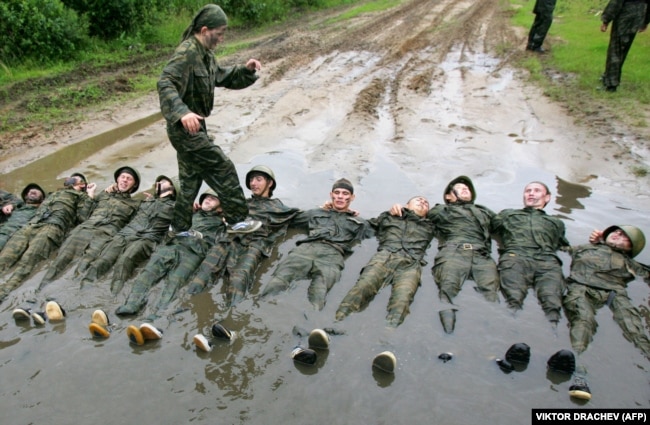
[(42, 30), (115, 18)]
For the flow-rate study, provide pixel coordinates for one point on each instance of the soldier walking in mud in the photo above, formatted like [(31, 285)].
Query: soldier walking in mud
[(32, 196), (186, 91), (403, 241), (240, 255), (627, 17), (543, 11), (38, 239), (528, 243)]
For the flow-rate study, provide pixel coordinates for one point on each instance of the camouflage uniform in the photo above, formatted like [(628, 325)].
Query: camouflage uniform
[(627, 18), (7, 198), (133, 244), (528, 242), (19, 218), (320, 256), (33, 243), (176, 260), (402, 244), (599, 276), (464, 247), (543, 11), (241, 254), (112, 212), (187, 85)]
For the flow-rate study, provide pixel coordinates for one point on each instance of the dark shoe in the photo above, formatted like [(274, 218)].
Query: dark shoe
[(318, 338), (505, 365), (563, 361), (445, 357), (221, 332), (518, 353), (580, 389), (539, 50), (385, 361), (54, 311), (610, 89), (246, 226), (202, 343), (304, 355)]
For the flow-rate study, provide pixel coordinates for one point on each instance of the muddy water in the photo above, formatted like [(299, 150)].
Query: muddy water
[(473, 122)]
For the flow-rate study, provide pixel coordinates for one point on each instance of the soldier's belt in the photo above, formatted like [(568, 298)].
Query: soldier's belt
[(463, 246)]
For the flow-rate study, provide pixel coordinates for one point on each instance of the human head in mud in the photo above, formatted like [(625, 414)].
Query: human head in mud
[(127, 180), (342, 195), (261, 181), (625, 238), (460, 191), (33, 194), (208, 26), (76, 182), (166, 187), (209, 201), (419, 205), (536, 195)]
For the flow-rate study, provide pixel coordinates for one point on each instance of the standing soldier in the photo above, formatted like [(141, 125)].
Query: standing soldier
[(627, 17), (528, 243), (135, 242), (32, 196), (113, 208), (186, 91), (543, 11), (44, 233), (241, 254)]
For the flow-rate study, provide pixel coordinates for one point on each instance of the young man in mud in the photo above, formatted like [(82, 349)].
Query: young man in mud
[(321, 255), (186, 91), (528, 243), (32, 198), (627, 18), (403, 241), (543, 11), (8, 202), (464, 246), (178, 259), (239, 255), (112, 210), (600, 273), (135, 242), (44, 233)]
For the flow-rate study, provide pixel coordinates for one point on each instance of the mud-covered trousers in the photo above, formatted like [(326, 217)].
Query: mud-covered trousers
[(173, 262), (201, 160), (320, 262), (581, 303), (518, 273), (385, 268), (28, 247), (543, 19), (453, 265), (622, 35)]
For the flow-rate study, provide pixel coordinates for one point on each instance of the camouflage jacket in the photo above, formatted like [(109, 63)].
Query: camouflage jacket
[(462, 223), (188, 81), (112, 211), (64, 208), (409, 234), (634, 15), (211, 227), (18, 218), (151, 221), (528, 232), (275, 218), (338, 229), (602, 267)]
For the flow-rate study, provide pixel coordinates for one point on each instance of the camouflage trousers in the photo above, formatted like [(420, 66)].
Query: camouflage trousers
[(28, 247), (623, 32), (317, 261), (453, 265), (176, 263), (201, 160), (581, 303), (123, 255), (211, 268), (385, 268), (518, 274), (542, 23), (83, 243)]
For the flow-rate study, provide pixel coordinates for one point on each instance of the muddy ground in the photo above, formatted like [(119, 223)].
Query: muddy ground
[(400, 102)]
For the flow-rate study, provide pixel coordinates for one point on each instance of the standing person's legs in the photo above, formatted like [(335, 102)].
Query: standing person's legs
[(542, 23), (190, 185)]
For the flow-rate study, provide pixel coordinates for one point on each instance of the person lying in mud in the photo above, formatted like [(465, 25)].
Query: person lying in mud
[(8, 202), (600, 273), (135, 242), (321, 255), (61, 211), (239, 255), (403, 241), (178, 259), (32, 197), (528, 243), (113, 208), (464, 246)]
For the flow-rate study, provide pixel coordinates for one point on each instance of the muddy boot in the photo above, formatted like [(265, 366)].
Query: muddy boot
[(448, 319)]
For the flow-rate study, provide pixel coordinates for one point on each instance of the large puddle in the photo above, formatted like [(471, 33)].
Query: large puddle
[(476, 122)]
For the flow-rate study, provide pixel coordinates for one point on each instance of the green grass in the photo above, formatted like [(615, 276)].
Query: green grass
[(372, 6)]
